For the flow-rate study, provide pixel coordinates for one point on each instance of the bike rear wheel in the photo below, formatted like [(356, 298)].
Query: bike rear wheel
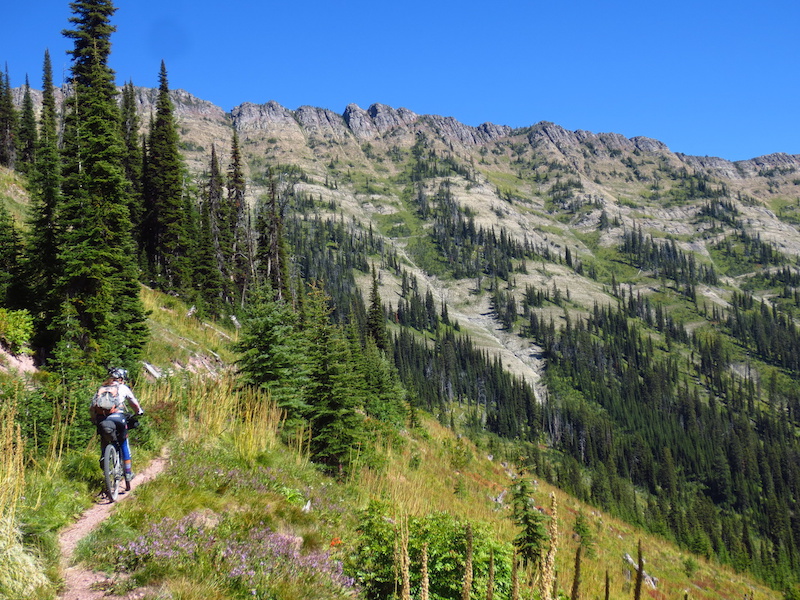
[(112, 471)]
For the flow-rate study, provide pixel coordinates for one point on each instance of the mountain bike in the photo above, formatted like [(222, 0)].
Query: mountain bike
[(111, 463), (113, 471)]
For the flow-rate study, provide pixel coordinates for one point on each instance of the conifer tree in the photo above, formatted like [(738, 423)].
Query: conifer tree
[(529, 543), (26, 146), (8, 123), (220, 233), (101, 319), (244, 250), (271, 253), (132, 158), (206, 276), (272, 353), (335, 424), (43, 265), (376, 316), (10, 265), (167, 210)]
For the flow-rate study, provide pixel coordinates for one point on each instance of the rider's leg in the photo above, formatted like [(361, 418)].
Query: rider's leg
[(125, 449), (126, 458)]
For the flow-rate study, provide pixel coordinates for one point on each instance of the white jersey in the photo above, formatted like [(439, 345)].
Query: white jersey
[(125, 394)]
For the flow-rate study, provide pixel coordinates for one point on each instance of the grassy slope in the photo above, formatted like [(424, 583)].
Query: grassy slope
[(180, 342), (211, 444)]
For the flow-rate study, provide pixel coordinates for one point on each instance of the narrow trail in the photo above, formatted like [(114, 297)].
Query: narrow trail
[(80, 582)]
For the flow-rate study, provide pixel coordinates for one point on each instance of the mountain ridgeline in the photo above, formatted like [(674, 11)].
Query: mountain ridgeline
[(623, 316)]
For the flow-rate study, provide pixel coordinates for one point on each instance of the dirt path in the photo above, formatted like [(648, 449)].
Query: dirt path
[(81, 583)]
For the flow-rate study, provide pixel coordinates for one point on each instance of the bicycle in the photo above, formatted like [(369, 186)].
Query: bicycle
[(111, 463), (113, 472)]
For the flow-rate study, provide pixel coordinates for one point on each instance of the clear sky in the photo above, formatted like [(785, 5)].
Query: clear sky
[(706, 77)]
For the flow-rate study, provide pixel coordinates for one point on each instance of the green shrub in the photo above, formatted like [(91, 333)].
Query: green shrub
[(16, 329)]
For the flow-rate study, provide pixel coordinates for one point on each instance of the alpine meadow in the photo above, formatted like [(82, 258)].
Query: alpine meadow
[(388, 355)]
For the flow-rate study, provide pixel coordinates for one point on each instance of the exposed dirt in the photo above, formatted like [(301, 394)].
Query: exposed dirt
[(80, 582)]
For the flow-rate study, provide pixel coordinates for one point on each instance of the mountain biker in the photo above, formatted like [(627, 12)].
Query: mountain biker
[(112, 424)]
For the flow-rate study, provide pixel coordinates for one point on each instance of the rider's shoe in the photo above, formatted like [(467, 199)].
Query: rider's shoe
[(129, 477)]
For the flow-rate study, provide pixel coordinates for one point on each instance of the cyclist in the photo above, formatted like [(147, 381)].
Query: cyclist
[(112, 424)]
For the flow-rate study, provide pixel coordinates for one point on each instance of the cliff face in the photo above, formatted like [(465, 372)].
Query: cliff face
[(549, 168), (203, 123)]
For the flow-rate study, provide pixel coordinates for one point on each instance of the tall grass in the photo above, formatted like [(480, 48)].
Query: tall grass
[(20, 573), (217, 407), (259, 423)]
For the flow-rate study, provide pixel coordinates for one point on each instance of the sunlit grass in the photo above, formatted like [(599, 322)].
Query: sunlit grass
[(180, 340), (21, 574)]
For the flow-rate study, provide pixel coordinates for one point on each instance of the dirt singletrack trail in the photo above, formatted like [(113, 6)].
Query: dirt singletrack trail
[(80, 582)]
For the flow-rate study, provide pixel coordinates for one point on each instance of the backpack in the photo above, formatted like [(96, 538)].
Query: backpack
[(106, 398)]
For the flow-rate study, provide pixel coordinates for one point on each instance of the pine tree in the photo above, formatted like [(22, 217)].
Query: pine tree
[(43, 265), (206, 276), (335, 424), (101, 317), (530, 540), (10, 262), (243, 255), (8, 123), (167, 210), (132, 158), (376, 316), (271, 352), (26, 141), (220, 234), (271, 254)]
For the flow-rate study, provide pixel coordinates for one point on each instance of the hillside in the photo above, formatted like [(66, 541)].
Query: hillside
[(649, 299), (231, 483)]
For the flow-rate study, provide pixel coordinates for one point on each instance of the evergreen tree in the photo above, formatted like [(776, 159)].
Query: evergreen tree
[(167, 210), (271, 352), (532, 536), (8, 123), (220, 233), (43, 265), (132, 158), (26, 147), (271, 254), (101, 319), (10, 267), (243, 255), (336, 427), (376, 317), (207, 276)]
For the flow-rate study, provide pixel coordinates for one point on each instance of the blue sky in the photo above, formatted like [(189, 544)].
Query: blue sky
[(706, 77)]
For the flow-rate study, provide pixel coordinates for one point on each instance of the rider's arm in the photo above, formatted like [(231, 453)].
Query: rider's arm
[(126, 394)]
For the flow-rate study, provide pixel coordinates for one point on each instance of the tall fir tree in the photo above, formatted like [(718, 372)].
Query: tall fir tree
[(376, 317), (207, 276), (101, 318), (43, 264), (243, 251), (26, 141), (336, 426), (167, 224), (11, 279), (271, 254), (8, 123), (132, 158), (220, 234)]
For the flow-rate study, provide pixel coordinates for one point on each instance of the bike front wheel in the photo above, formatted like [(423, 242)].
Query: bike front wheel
[(112, 471)]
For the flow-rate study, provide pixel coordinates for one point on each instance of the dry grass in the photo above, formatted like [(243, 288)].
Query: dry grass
[(20, 573), (180, 341), (430, 487)]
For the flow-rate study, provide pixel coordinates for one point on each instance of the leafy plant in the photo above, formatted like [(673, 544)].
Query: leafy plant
[(16, 329)]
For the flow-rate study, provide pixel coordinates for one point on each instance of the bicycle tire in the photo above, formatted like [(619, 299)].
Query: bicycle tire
[(112, 471)]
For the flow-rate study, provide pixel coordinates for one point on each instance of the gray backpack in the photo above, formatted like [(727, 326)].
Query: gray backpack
[(106, 398)]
